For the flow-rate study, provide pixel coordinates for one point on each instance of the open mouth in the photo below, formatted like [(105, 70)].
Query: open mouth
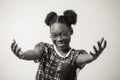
[(60, 44)]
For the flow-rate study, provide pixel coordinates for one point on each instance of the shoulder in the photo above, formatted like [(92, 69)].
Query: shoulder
[(45, 49), (77, 54), (44, 45), (79, 51), (82, 51)]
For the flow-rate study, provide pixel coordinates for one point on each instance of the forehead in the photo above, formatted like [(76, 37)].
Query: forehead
[(58, 27)]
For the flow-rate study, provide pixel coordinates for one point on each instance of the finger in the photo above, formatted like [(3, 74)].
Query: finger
[(98, 52), (105, 44), (12, 45), (15, 48), (95, 49), (14, 41), (92, 54), (17, 53), (102, 39), (99, 45)]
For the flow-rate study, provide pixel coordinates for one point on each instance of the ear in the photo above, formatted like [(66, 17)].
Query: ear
[(50, 34), (71, 31)]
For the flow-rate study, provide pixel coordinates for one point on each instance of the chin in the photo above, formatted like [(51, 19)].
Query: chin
[(61, 46)]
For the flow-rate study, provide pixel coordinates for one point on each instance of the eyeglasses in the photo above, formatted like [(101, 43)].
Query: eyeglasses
[(62, 35)]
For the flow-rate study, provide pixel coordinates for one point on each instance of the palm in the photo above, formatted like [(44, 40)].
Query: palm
[(101, 46), (15, 49)]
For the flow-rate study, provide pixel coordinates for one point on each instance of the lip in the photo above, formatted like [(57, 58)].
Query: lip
[(60, 44)]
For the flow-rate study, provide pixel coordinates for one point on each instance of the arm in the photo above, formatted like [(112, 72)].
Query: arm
[(34, 54), (84, 58), (87, 58)]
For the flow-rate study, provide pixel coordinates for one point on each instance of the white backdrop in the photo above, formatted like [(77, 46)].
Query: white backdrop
[(23, 20)]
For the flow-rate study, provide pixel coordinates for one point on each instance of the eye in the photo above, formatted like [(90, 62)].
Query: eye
[(64, 33), (53, 35)]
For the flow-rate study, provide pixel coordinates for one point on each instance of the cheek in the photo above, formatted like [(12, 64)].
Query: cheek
[(54, 41), (68, 39)]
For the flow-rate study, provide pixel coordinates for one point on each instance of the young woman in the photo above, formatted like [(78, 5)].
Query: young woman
[(58, 61)]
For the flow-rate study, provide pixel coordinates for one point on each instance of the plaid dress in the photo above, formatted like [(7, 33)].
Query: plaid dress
[(54, 67)]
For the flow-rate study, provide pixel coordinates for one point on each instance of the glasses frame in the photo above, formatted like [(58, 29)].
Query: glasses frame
[(62, 35)]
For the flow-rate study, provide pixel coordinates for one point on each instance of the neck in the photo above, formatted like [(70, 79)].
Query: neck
[(63, 51)]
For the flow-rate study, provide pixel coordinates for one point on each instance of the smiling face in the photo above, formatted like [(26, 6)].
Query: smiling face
[(60, 35)]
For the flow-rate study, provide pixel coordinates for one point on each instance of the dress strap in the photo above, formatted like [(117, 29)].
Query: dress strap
[(62, 55)]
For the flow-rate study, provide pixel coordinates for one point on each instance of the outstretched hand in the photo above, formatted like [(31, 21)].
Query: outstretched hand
[(101, 46), (15, 49)]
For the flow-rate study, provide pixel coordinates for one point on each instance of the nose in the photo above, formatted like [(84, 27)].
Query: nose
[(59, 38)]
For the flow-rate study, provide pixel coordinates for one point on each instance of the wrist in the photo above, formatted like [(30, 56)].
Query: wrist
[(20, 54)]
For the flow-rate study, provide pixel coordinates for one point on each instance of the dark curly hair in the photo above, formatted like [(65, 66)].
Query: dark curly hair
[(69, 18)]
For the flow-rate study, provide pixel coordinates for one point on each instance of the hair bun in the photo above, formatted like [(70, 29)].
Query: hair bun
[(49, 17), (71, 16)]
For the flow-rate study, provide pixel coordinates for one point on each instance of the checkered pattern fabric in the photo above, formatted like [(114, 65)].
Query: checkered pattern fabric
[(54, 67)]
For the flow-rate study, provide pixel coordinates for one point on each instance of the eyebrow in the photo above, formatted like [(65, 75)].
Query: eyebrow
[(60, 32)]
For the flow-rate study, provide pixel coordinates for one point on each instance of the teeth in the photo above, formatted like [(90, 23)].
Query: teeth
[(60, 43)]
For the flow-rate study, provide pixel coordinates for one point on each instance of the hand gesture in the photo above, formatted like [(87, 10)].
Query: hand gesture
[(101, 46), (15, 49)]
